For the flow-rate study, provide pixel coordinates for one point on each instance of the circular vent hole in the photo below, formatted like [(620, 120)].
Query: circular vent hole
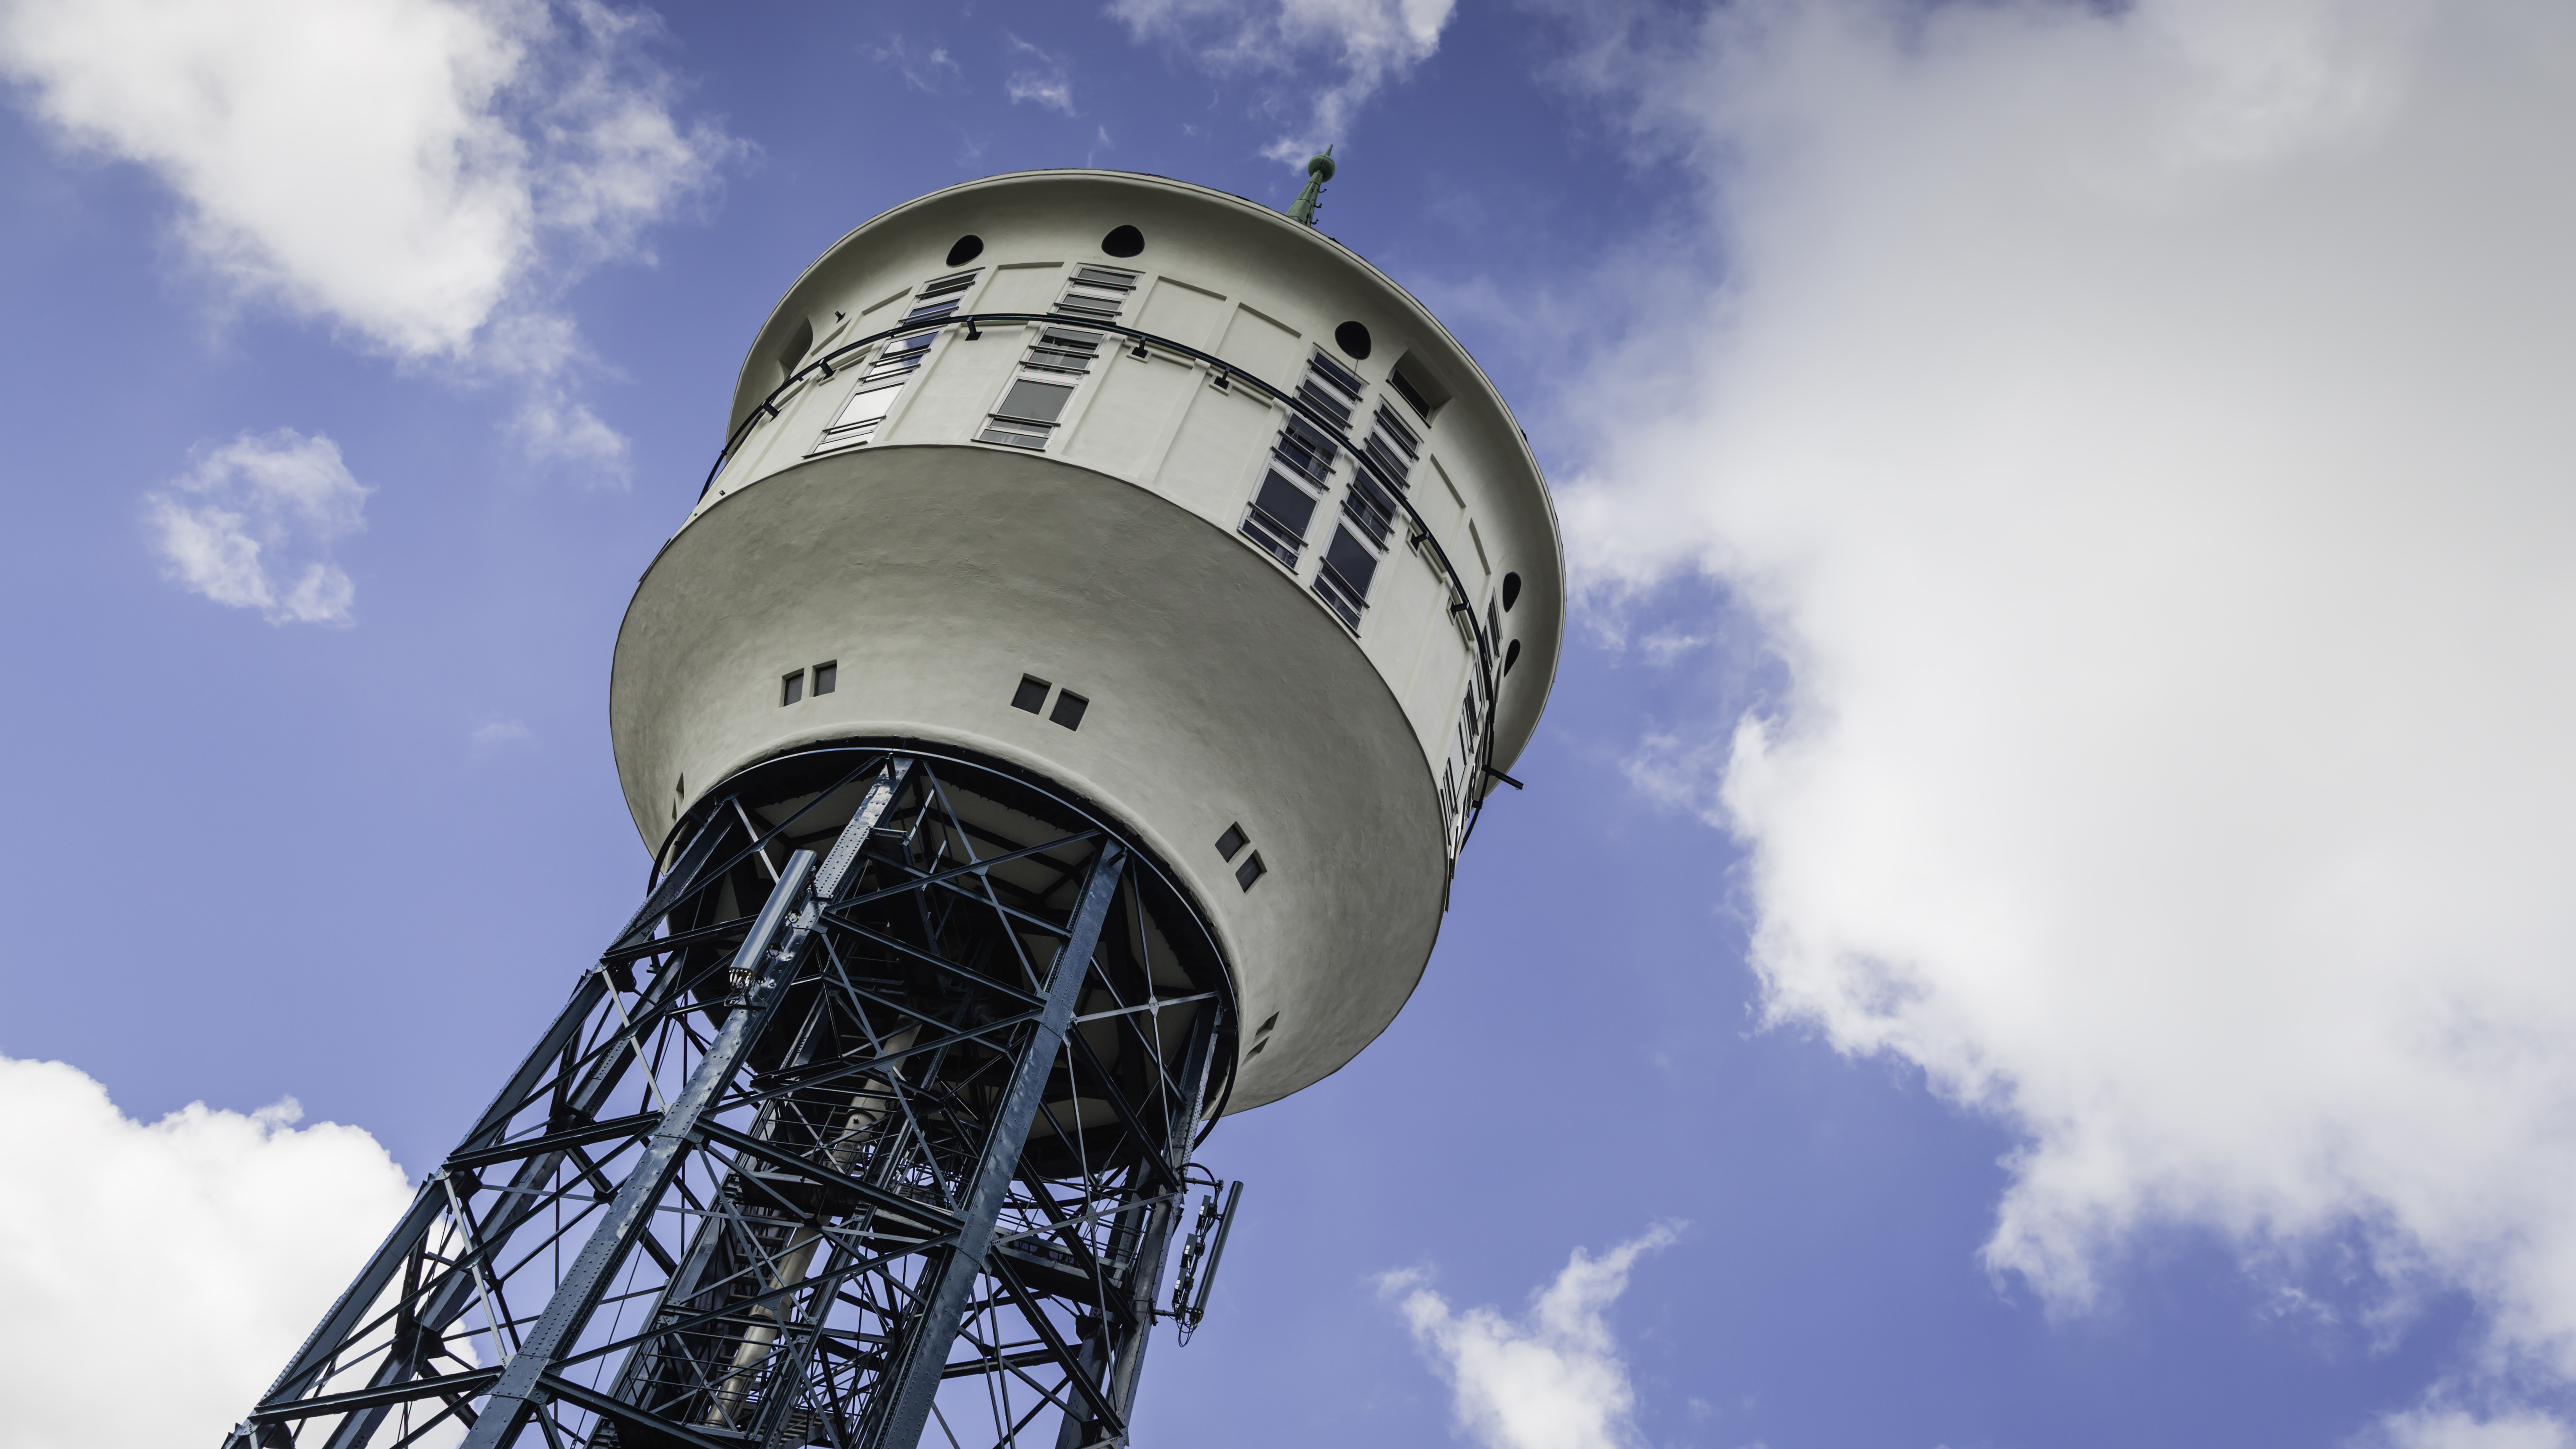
[(1126, 241), (1511, 591), (1511, 656), (1354, 339), (968, 248)]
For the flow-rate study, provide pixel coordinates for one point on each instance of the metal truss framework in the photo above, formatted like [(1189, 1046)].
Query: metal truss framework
[(874, 1123)]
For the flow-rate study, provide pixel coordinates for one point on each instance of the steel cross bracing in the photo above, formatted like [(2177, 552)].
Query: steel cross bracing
[(874, 1124)]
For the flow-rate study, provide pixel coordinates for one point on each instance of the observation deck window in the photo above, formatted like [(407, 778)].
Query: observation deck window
[(1096, 293), (1278, 517), (1343, 580), (882, 377)]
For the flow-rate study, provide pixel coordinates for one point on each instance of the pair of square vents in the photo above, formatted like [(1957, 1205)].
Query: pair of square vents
[(1261, 1038), (1032, 696), (826, 677), (1230, 845)]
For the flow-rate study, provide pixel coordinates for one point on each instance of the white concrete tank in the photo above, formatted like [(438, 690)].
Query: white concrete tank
[(1150, 495)]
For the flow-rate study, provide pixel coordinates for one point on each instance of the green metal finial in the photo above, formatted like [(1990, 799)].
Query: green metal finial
[(1319, 170)]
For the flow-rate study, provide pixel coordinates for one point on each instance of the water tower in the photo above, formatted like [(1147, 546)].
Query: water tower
[(1055, 725)]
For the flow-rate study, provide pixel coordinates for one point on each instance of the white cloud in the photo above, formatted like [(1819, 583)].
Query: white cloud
[(415, 172), (230, 1234), (2453, 1429), (1551, 1379), (1365, 44), (2142, 432), (498, 733), (1041, 79), (252, 525)]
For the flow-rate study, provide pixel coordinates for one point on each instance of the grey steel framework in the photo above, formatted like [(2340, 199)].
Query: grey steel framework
[(874, 1124)]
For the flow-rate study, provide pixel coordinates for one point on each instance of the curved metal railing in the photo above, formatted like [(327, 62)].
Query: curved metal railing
[(1489, 682)]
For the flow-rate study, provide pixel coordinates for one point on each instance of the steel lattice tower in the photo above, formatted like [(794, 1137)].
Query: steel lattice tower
[(1057, 724)]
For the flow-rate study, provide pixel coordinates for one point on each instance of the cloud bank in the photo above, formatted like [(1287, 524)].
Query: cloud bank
[(252, 525), (238, 1229), (1364, 44), (2142, 432), (420, 174), (1552, 1379)]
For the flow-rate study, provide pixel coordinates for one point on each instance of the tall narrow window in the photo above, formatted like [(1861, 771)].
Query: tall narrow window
[(791, 688), (1034, 403), (882, 376), (827, 677), (1343, 581), (1278, 517)]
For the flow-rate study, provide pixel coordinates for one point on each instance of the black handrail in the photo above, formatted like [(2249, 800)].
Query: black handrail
[(1461, 602)]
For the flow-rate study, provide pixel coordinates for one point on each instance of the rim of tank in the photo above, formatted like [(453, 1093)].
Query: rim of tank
[(1166, 895)]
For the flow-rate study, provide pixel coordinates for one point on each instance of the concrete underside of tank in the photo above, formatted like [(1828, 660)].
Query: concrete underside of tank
[(935, 578)]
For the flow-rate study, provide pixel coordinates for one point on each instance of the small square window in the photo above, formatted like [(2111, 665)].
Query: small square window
[(1068, 709), (1256, 1049), (1031, 695), (791, 688), (1231, 844), (826, 676), (1266, 1025), (1251, 870)]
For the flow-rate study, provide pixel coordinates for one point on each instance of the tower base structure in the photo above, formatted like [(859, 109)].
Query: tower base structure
[(874, 1123)]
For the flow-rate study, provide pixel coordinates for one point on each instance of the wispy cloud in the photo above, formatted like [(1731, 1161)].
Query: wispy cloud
[(252, 526), (240, 1227), (1360, 45), (923, 69), (1550, 1379), (422, 175), (1039, 77), (492, 736), (2129, 424)]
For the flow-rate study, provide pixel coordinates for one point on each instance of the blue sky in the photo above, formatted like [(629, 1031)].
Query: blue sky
[(2038, 916)]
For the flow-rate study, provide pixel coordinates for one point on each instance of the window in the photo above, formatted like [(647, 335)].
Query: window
[(882, 376), (1230, 845), (826, 677), (1511, 591), (1332, 388), (1414, 383), (1267, 1023), (1031, 408), (1306, 448), (1278, 517), (1097, 294), (791, 688), (1068, 709), (1343, 581), (1027, 413), (1031, 695), (1251, 870)]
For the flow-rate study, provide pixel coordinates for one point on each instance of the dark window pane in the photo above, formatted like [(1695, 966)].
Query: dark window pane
[(1288, 505), (792, 688), (1352, 560), (1229, 845), (1105, 277), (1325, 401), (1342, 377), (1032, 401), (1251, 870), (826, 676), (1031, 695), (1068, 709)]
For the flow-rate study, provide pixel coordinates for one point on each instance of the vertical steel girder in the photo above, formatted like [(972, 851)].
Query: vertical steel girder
[(841, 1146)]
